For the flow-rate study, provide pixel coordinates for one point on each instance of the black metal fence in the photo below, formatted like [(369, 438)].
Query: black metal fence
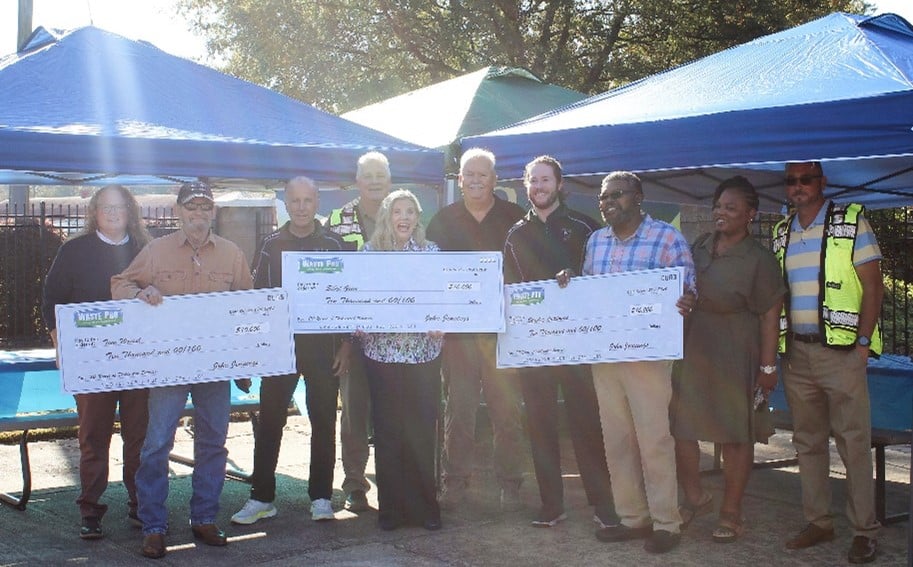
[(29, 240)]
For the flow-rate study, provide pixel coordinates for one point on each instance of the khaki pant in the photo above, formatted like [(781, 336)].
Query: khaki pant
[(468, 366), (634, 402), (827, 391), (354, 423)]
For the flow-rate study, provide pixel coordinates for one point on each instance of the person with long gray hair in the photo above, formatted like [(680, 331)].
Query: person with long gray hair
[(113, 235)]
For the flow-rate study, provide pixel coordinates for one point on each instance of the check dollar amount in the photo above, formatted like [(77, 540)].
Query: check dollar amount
[(410, 292), (607, 318)]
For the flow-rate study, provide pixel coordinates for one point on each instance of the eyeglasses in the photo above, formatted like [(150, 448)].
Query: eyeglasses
[(614, 195), (198, 206), (108, 209), (802, 179)]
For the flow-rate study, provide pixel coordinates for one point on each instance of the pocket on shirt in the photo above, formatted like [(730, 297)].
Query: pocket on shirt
[(220, 281), (170, 282)]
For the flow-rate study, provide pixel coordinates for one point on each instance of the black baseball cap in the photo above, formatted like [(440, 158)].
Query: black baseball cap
[(194, 190)]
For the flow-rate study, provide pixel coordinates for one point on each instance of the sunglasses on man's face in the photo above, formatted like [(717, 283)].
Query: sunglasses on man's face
[(198, 206), (614, 195), (802, 179)]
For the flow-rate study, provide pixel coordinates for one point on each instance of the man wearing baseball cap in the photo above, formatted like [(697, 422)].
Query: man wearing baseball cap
[(190, 260)]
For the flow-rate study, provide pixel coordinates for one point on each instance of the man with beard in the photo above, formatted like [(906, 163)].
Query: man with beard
[(190, 260), (549, 240)]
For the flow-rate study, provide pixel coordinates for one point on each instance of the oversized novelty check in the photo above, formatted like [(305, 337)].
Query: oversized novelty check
[(206, 337), (607, 318), (454, 292)]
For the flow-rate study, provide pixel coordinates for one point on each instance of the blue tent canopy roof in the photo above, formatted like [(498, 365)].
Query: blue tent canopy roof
[(92, 102), (837, 89)]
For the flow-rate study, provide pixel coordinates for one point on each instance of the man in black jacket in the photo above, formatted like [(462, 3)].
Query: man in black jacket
[(548, 240), (320, 359)]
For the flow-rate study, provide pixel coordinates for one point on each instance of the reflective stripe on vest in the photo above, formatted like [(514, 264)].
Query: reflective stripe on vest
[(840, 290), (345, 224)]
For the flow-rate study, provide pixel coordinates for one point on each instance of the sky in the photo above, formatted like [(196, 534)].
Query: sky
[(152, 20), (155, 21)]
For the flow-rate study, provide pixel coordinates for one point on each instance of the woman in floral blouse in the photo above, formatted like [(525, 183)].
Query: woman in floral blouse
[(404, 375)]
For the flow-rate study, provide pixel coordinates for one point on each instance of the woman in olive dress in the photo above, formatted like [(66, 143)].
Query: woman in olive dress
[(730, 350)]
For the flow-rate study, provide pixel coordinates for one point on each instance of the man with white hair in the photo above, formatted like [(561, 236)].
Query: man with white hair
[(354, 222), (479, 222)]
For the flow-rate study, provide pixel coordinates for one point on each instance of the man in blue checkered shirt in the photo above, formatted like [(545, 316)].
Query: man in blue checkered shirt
[(634, 396)]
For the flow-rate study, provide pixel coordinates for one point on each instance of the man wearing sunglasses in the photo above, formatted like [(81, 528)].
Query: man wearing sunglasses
[(826, 336), (189, 260), (634, 397)]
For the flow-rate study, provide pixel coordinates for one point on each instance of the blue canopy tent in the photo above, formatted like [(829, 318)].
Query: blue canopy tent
[(838, 89), (89, 106)]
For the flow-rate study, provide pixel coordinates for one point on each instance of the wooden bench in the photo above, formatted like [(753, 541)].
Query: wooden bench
[(31, 398)]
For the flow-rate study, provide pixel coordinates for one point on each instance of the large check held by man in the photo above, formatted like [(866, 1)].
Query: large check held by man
[(205, 337), (412, 292), (619, 317)]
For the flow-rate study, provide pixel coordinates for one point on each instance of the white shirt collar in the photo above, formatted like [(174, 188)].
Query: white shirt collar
[(107, 240)]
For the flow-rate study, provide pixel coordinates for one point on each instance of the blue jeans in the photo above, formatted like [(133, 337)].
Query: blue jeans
[(212, 403)]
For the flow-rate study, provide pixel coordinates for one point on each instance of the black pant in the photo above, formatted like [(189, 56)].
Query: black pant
[(540, 393), (405, 399), (314, 356)]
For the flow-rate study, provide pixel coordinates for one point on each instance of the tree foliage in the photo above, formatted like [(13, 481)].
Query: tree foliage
[(343, 54)]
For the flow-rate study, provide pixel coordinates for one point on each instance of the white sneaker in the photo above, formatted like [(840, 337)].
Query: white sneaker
[(252, 511), (321, 510)]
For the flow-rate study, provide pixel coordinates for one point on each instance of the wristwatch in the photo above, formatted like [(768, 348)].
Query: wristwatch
[(863, 340), (769, 369)]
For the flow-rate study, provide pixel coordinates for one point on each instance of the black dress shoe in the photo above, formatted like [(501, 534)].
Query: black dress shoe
[(91, 529), (661, 541), (389, 523), (863, 550), (153, 546), (357, 501), (210, 534)]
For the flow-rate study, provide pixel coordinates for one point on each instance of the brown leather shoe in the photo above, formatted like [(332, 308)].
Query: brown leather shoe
[(811, 535), (210, 534), (153, 546), (863, 550)]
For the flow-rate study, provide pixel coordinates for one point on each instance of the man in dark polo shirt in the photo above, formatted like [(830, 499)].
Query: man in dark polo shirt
[(550, 239), (479, 222)]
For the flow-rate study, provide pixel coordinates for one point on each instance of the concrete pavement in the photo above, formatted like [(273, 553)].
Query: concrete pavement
[(46, 533)]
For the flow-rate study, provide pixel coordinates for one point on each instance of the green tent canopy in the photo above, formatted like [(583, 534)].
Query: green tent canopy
[(439, 115)]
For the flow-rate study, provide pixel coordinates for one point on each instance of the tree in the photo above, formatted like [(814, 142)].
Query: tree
[(343, 54)]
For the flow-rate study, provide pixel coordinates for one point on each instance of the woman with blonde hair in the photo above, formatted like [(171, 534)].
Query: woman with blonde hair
[(404, 374), (113, 235)]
